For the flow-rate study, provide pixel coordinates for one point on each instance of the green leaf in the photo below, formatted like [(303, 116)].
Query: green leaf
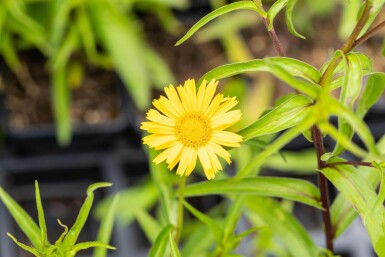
[(356, 123), (275, 146), (350, 90), (284, 226), (293, 66), (199, 242), (174, 247), (363, 197), (274, 10), (289, 18), (248, 5), (73, 234), (160, 73), (161, 178), (25, 247), (288, 161), (121, 38), (148, 224), (140, 197), (287, 188), (372, 93), (61, 105), (159, 248), (288, 114), (85, 245), (40, 214), (214, 226), (23, 220), (106, 226)]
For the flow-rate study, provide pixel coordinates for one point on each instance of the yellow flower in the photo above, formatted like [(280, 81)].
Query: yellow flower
[(190, 125)]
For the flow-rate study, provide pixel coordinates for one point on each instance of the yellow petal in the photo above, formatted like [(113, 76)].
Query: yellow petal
[(208, 95), (225, 120), (152, 127), (155, 116), (206, 163), (174, 156), (192, 161), (174, 99), (219, 150), (226, 138), (166, 107), (160, 142), (213, 107)]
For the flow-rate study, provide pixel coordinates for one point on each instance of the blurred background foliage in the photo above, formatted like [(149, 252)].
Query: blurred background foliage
[(110, 34)]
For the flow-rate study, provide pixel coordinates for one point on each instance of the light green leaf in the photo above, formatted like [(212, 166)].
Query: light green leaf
[(284, 226), (122, 40), (214, 226), (198, 242), (40, 214), (139, 198), (148, 224), (161, 177), (160, 73), (293, 66), (276, 145), (274, 10), (350, 90), (248, 5), (25, 247), (23, 220), (356, 123), (159, 248), (373, 91), (73, 234), (381, 192), (288, 114), (287, 188), (289, 18), (174, 247), (287, 161), (61, 105), (349, 14), (85, 245), (106, 226), (363, 197)]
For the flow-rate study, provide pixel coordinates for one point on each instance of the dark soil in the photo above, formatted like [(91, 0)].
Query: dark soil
[(28, 97)]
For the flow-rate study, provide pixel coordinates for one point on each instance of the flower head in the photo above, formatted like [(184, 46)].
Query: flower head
[(189, 125)]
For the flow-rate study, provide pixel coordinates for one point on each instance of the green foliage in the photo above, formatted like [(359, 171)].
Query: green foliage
[(66, 245)]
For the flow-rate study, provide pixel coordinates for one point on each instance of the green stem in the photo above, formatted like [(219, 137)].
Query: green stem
[(179, 227)]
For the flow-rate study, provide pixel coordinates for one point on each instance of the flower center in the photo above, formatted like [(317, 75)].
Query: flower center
[(193, 129)]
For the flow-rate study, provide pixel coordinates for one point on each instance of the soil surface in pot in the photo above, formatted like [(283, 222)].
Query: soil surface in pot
[(28, 96)]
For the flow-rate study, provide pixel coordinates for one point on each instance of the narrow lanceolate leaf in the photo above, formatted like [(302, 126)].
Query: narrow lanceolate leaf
[(283, 225), (40, 213), (350, 90), (356, 123), (373, 91), (214, 226), (106, 226), (148, 224), (159, 248), (274, 10), (293, 66), (240, 5), (160, 176), (122, 41), (287, 188), (289, 18), (24, 221), (61, 105), (286, 115), (174, 247), (73, 234)]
